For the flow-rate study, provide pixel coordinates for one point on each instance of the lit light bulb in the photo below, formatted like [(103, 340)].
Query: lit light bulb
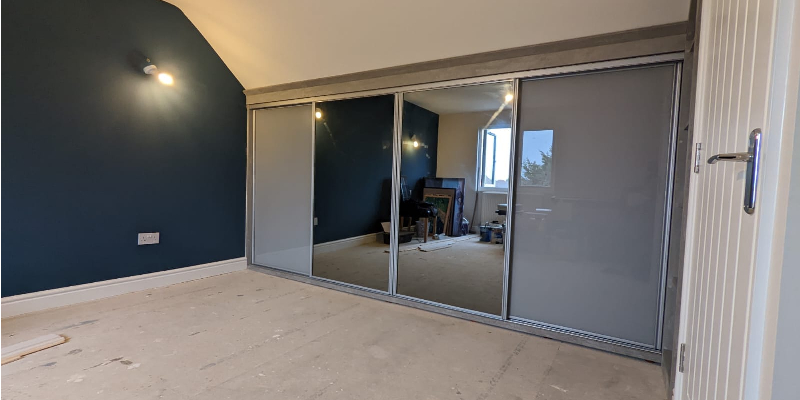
[(165, 78), (416, 143), (318, 114), (509, 97)]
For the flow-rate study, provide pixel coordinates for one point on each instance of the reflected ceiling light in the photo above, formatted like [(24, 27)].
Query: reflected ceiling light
[(509, 97), (416, 143), (318, 113)]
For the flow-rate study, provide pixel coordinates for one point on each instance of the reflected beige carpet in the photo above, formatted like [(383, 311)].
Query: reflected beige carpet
[(466, 274)]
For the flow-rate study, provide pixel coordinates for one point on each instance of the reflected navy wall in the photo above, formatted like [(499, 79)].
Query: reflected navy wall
[(94, 151), (353, 167), (353, 163), (419, 162)]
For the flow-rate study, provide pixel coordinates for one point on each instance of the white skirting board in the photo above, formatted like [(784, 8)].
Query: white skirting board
[(348, 242), (37, 301)]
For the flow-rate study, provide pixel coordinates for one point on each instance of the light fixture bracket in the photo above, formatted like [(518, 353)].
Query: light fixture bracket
[(150, 69)]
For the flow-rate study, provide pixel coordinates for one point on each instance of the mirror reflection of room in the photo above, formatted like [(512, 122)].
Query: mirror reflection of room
[(456, 147), (353, 157)]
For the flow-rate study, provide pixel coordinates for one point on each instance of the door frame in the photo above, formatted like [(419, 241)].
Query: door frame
[(773, 196)]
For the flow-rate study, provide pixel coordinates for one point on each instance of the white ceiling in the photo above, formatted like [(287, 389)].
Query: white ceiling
[(268, 42), (464, 99)]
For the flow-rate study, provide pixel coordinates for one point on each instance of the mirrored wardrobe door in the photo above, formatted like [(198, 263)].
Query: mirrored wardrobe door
[(282, 188), (454, 173), (353, 158)]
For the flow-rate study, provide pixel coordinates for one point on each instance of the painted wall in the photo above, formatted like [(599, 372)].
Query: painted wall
[(458, 150), (94, 151), (420, 162), (272, 42)]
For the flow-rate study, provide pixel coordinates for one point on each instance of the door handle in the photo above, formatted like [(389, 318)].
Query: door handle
[(735, 157), (753, 158)]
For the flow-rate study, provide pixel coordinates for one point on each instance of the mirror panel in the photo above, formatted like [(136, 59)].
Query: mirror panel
[(353, 160), (455, 147)]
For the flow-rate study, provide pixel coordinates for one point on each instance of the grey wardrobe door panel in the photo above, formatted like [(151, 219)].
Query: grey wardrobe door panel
[(282, 188), (591, 179)]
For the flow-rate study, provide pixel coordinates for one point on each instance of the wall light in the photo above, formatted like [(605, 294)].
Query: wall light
[(414, 141), (150, 69), (318, 113), (509, 97)]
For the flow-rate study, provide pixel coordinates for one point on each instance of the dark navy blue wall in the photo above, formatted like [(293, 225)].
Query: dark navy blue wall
[(419, 162), (94, 151), (353, 167)]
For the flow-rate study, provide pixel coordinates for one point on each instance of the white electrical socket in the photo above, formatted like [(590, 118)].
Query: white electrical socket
[(148, 238)]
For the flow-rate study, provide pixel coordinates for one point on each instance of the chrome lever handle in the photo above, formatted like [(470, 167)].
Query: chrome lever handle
[(753, 160), (735, 157)]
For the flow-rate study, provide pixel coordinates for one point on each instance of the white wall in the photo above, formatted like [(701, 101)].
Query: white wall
[(458, 151), (271, 42), (785, 384)]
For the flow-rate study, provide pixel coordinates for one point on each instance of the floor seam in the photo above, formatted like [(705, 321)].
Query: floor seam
[(255, 347), (503, 368)]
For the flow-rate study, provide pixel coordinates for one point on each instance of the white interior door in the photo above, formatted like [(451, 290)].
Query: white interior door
[(728, 251)]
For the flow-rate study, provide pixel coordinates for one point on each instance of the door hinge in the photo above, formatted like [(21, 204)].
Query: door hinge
[(682, 357), (697, 158)]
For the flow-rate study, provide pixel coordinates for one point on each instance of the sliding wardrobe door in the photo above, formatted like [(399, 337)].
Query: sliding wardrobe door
[(592, 181), (353, 158), (454, 174), (282, 188)]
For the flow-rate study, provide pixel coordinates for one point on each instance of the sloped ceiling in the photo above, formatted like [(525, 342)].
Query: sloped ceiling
[(268, 42)]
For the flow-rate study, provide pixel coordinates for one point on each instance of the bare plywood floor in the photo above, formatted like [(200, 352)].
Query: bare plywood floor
[(248, 335)]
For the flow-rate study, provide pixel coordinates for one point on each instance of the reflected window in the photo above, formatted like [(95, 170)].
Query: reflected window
[(495, 157), (537, 158)]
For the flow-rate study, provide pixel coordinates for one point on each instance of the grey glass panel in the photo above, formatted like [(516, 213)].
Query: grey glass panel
[(353, 160), (282, 188), (592, 171), (456, 145)]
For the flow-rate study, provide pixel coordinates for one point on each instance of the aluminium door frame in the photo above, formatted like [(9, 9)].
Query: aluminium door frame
[(666, 58), (397, 153), (504, 320), (508, 243)]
